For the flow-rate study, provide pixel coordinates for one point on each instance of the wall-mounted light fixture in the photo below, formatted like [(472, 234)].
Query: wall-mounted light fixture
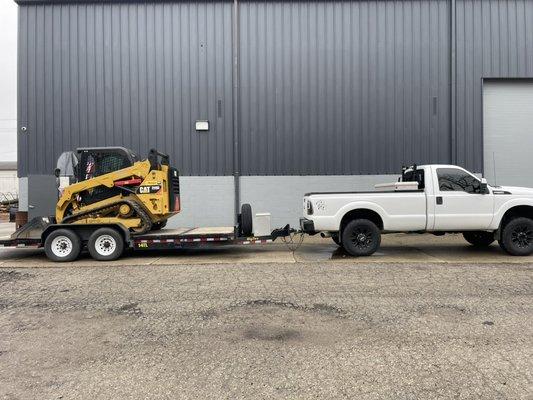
[(202, 126)]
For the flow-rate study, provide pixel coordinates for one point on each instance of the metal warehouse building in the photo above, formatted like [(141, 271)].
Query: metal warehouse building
[(299, 95)]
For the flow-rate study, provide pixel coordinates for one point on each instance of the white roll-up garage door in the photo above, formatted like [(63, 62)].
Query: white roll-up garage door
[(508, 132)]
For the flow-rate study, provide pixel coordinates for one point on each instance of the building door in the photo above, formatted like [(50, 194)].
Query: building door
[(508, 132)]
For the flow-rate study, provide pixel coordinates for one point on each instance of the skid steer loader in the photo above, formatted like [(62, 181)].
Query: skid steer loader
[(114, 187)]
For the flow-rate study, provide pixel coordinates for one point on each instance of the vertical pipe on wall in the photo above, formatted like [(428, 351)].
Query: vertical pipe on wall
[(236, 105), (453, 81)]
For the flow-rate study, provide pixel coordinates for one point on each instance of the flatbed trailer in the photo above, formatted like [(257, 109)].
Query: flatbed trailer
[(37, 232)]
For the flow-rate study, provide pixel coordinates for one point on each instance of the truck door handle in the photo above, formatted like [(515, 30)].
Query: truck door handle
[(439, 200)]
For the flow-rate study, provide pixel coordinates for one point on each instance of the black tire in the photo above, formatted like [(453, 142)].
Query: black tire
[(105, 244), (246, 220), (62, 245), (517, 237), (336, 239), (479, 238), (361, 237)]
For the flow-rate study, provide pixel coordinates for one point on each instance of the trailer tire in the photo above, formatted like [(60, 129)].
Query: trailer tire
[(246, 220), (517, 237), (62, 245), (105, 244), (479, 238), (361, 237)]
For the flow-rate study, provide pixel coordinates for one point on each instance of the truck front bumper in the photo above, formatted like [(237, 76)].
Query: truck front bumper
[(307, 226)]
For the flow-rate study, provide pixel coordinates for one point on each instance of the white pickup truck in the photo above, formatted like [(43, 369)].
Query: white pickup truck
[(429, 198)]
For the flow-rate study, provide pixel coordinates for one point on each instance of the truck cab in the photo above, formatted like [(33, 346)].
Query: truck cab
[(428, 198)]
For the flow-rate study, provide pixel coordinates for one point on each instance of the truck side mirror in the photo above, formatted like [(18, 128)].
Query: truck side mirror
[(57, 171), (483, 186)]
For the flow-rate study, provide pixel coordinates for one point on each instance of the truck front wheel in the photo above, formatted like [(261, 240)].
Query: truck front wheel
[(517, 237), (361, 237), (479, 238)]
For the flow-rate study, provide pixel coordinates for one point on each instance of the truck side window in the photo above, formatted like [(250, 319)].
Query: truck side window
[(456, 180)]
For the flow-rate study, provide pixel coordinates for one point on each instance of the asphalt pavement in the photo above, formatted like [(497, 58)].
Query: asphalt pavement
[(300, 330)]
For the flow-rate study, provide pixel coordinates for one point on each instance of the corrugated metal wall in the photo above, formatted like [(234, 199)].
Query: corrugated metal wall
[(136, 75), (326, 87), (343, 87), (494, 39)]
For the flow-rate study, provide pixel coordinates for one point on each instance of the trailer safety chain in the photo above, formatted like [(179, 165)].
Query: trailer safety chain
[(291, 243)]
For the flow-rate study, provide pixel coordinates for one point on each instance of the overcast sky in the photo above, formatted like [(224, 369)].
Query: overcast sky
[(8, 80)]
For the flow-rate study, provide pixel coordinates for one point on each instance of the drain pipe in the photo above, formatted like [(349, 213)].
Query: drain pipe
[(453, 80), (236, 110)]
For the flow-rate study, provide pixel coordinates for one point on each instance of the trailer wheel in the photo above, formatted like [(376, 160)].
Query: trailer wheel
[(246, 220), (361, 237), (479, 238), (105, 244), (517, 237), (62, 245)]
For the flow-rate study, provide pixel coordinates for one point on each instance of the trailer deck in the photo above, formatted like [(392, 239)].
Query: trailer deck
[(175, 238)]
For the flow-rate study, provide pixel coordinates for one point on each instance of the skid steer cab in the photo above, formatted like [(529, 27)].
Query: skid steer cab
[(111, 200)]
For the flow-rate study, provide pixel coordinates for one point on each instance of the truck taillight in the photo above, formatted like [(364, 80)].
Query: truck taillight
[(309, 207)]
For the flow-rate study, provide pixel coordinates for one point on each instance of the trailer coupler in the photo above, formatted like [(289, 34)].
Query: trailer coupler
[(282, 232)]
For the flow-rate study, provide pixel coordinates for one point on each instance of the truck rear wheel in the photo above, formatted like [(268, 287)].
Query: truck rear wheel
[(479, 238), (517, 237), (105, 244), (361, 237), (62, 245)]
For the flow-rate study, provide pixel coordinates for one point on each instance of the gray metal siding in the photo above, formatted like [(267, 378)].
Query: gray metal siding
[(356, 87), (343, 87), (136, 75), (494, 39)]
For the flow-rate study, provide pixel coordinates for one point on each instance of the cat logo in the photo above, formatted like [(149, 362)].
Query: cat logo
[(149, 189)]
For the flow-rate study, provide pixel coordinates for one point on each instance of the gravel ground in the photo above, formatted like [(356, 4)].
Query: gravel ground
[(267, 331)]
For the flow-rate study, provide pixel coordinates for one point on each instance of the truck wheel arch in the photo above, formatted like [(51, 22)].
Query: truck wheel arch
[(362, 213), (514, 212)]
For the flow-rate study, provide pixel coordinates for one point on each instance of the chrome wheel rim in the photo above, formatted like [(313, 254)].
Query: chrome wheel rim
[(61, 246), (105, 245)]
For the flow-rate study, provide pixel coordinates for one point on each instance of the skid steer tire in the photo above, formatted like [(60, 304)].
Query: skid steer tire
[(246, 220), (62, 245), (105, 244)]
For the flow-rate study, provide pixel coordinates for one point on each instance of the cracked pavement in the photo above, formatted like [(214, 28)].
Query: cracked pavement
[(278, 330)]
